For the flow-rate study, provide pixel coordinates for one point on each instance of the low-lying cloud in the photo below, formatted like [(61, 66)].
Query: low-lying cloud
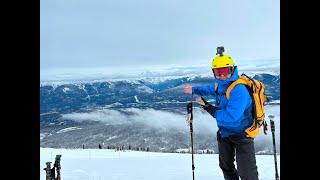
[(202, 122), (105, 115)]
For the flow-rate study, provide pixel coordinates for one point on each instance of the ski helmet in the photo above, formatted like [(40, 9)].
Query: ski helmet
[(220, 61)]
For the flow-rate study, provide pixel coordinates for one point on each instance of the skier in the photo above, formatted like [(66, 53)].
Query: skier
[(232, 116)]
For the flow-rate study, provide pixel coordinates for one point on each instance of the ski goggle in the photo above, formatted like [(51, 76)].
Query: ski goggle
[(222, 71)]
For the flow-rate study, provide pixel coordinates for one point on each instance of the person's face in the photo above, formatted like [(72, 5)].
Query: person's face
[(222, 73)]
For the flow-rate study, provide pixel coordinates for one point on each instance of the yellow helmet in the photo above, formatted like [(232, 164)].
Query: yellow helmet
[(220, 61)]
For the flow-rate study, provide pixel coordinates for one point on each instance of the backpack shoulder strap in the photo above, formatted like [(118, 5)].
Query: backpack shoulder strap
[(241, 80)]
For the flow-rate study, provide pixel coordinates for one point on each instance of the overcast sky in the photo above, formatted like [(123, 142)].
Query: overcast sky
[(135, 33)]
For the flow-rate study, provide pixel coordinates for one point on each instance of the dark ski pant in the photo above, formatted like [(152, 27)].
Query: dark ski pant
[(243, 150)]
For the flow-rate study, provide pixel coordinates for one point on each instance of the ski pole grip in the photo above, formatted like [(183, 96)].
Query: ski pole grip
[(189, 108), (190, 114), (272, 125)]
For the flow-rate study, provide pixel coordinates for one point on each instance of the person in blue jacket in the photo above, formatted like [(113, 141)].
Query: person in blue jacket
[(233, 116)]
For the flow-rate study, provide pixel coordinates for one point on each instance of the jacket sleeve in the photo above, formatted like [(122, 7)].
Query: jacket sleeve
[(203, 90), (231, 114), (210, 109)]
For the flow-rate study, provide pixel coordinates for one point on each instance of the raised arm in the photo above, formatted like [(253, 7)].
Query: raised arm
[(203, 90)]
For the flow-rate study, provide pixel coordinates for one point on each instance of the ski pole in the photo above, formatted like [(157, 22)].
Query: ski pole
[(48, 171), (189, 119), (58, 166), (274, 145)]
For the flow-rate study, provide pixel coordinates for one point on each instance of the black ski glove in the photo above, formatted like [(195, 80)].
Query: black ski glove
[(206, 106)]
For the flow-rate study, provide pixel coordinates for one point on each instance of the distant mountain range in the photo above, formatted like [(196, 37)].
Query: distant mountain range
[(151, 91)]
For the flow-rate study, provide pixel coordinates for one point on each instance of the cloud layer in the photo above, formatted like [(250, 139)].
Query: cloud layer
[(203, 122)]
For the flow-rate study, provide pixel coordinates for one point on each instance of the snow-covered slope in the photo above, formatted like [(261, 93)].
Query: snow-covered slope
[(105, 164)]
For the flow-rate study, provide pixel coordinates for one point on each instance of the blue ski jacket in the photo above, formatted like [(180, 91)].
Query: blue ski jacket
[(233, 116)]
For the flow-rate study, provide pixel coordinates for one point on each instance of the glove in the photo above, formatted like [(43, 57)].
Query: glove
[(206, 106)]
